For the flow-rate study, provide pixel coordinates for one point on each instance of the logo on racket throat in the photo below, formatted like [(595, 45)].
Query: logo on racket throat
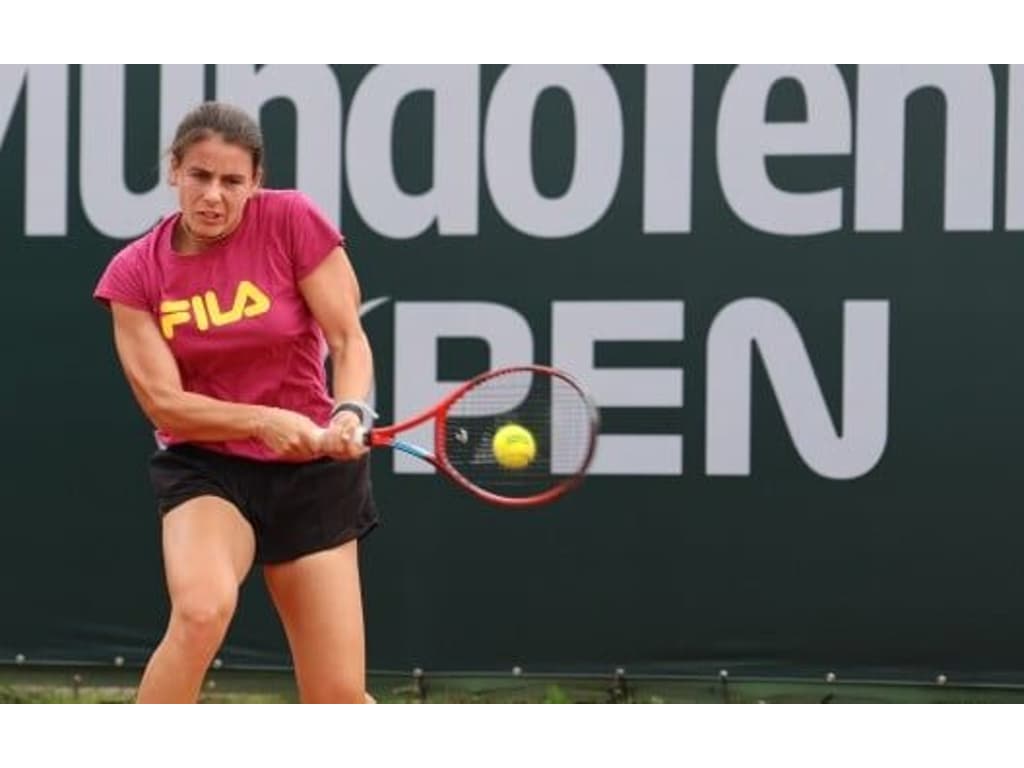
[(205, 311)]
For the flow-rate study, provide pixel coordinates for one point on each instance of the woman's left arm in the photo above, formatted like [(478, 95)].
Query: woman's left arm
[(332, 293)]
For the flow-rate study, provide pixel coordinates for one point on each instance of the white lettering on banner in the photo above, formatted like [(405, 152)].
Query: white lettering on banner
[(1015, 150), (575, 326), (508, 139), (418, 327), (110, 206), (314, 93), (736, 331), (46, 150), (748, 323), (668, 148), (882, 92), (452, 201), (745, 140)]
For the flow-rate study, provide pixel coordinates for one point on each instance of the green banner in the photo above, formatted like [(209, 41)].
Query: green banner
[(791, 289)]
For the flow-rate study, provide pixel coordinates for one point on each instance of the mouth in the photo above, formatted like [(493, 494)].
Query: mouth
[(208, 217)]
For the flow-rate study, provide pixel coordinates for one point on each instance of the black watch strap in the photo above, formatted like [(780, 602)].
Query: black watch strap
[(363, 411)]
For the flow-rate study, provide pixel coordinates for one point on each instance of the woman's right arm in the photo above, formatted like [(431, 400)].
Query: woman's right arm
[(153, 376)]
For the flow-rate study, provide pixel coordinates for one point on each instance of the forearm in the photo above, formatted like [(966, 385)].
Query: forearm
[(351, 368), (190, 416)]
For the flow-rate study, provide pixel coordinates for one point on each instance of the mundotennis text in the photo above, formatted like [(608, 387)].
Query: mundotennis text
[(480, 144)]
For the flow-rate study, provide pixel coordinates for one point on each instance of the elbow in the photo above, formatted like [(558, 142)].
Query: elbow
[(161, 408), (162, 418)]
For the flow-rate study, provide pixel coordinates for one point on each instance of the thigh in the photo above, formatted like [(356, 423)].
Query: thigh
[(319, 600), (208, 547)]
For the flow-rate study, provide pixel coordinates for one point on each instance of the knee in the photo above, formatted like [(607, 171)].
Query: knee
[(200, 620)]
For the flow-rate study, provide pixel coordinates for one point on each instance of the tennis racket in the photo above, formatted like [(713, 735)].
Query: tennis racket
[(514, 437)]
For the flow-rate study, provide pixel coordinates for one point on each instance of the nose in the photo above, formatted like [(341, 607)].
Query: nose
[(213, 191)]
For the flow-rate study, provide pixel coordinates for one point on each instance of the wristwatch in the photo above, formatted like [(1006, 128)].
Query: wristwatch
[(365, 413)]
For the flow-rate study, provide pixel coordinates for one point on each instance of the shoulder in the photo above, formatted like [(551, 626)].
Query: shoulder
[(143, 247), (129, 276), (275, 210), (280, 201), (293, 213)]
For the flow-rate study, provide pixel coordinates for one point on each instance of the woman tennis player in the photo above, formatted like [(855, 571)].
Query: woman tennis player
[(221, 316)]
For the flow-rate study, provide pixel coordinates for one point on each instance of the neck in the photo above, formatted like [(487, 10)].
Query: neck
[(189, 241)]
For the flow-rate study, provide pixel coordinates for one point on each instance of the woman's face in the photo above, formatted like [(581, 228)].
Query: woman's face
[(215, 179)]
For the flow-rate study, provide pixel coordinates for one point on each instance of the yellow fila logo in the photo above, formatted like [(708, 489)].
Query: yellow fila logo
[(250, 301)]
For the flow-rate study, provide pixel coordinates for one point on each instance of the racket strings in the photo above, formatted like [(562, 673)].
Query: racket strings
[(557, 416)]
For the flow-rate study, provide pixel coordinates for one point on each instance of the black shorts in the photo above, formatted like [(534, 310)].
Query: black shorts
[(294, 508)]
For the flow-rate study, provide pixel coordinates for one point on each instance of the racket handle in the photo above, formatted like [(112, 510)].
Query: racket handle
[(361, 435)]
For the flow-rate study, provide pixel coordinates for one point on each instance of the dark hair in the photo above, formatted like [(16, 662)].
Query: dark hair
[(211, 118)]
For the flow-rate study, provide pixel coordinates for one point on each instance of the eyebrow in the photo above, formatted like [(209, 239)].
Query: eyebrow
[(228, 176)]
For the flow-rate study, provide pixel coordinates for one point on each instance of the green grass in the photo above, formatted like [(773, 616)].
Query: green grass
[(108, 695), (39, 684)]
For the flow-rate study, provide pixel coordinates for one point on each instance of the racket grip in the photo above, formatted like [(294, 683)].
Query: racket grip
[(360, 435)]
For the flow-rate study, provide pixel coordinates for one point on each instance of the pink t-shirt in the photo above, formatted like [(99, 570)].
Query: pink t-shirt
[(233, 315)]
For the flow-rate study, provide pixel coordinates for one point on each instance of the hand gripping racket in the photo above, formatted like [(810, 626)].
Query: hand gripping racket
[(514, 437)]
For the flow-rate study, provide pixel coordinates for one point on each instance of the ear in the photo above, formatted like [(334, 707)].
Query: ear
[(173, 171)]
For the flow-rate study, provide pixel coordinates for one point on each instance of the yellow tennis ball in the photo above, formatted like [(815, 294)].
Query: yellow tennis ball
[(514, 446)]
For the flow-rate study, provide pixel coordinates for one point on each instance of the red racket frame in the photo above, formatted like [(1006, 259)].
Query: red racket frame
[(386, 437)]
